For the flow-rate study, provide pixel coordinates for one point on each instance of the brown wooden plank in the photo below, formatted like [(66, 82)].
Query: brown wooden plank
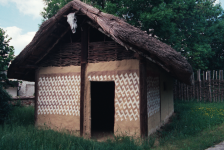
[(84, 58), (221, 85), (219, 95), (83, 71), (36, 93), (143, 99), (209, 87), (84, 44), (213, 87)]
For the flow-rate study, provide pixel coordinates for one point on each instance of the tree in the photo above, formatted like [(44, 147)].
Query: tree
[(52, 7), (6, 55), (216, 33), (186, 26)]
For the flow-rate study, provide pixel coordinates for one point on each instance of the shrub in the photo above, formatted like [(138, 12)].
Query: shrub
[(5, 107)]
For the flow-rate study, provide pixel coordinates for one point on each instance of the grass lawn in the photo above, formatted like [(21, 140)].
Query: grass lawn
[(194, 126)]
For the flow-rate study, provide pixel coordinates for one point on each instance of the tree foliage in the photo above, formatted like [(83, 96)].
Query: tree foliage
[(5, 107), (6, 55), (193, 27), (52, 7)]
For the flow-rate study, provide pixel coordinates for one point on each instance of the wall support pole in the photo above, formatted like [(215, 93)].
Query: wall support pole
[(143, 98), (84, 61)]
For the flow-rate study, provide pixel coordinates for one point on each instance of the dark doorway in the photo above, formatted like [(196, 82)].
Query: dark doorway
[(102, 107)]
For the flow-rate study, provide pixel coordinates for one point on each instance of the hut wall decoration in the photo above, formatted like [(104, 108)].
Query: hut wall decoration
[(108, 75)]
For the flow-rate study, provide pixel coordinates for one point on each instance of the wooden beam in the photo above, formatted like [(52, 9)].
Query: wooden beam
[(143, 98), (84, 61), (36, 93), (48, 50)]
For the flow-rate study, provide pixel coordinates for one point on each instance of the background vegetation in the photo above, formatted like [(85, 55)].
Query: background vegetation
[(6, 55)]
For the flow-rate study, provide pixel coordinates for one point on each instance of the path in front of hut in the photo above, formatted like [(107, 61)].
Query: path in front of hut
[(219, 146)]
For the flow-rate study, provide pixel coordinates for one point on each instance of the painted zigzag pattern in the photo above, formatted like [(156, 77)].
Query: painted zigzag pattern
[(59, 94), (153, 95), (126, 92)]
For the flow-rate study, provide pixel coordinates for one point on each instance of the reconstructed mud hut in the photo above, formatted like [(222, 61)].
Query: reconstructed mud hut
[(107, 76)]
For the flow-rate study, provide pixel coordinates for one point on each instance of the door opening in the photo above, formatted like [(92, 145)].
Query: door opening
[(102, 107)]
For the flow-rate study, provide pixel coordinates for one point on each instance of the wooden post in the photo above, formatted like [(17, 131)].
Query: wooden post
[(199, 84), (203, 86), (143, 99), (193, 87), (175, 90), (196, 87), (221, 77), (182, 91), (84, 61), (36, 94), (209, 86), (219, 95), (206, 88), (187, 93), (179, 95), (213, 88), (216, 83)]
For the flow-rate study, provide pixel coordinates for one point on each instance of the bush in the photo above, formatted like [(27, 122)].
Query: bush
[(5, 107)]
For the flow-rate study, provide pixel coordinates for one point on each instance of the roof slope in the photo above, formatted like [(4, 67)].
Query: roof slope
[(123, 33)]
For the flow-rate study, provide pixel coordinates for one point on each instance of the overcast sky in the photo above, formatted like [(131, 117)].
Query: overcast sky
[(20, 19)]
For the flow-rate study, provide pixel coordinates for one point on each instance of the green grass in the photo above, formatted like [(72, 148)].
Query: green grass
[(194, 126), (19, 133)]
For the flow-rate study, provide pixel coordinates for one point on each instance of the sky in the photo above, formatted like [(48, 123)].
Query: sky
[(20, 20)]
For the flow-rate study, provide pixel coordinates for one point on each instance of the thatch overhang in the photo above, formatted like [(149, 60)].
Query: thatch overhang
[(132, 38)]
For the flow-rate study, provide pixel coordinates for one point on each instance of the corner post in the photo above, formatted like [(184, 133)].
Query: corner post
[(143, 98), (84, 61), (36, 94)]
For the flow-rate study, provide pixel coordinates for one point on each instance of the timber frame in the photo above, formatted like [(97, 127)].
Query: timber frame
[(143, 98)]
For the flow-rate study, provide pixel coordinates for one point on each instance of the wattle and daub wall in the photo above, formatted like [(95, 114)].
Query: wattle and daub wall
[(59, 81), (159, 97)]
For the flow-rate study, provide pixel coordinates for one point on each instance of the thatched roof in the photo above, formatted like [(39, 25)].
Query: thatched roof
[(52, 30)]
